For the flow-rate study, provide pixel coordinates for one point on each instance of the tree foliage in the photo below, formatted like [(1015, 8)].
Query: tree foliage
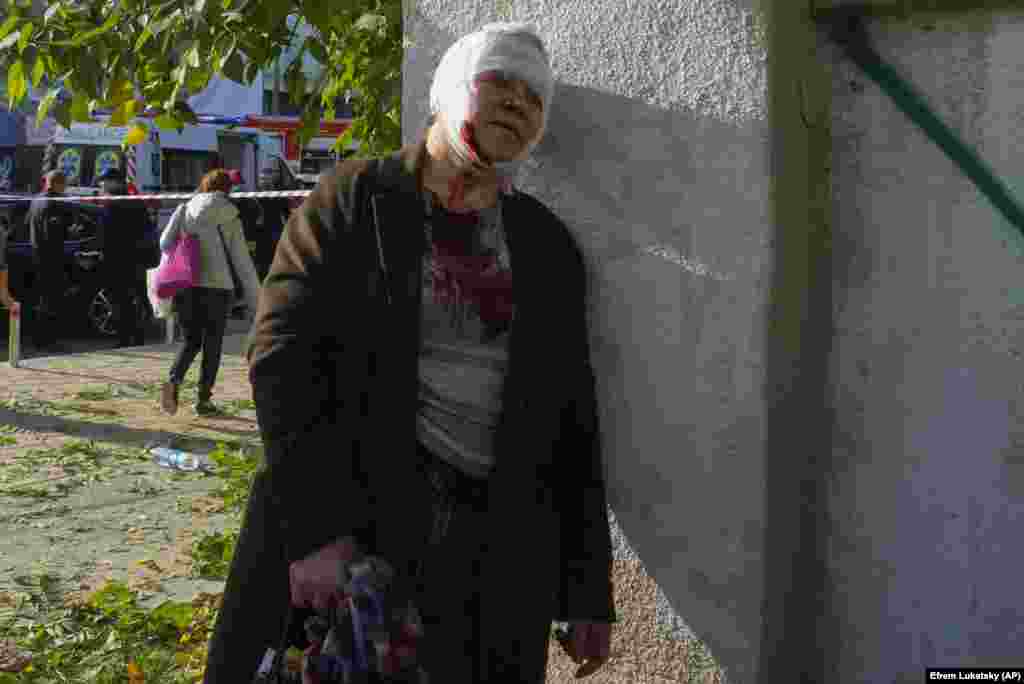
[(130, 55)]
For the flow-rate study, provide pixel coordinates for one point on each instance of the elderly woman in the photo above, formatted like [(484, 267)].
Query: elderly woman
[(420, 366)]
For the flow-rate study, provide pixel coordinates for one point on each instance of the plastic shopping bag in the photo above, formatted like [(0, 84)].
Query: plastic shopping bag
[(163, 307), (179, 269)]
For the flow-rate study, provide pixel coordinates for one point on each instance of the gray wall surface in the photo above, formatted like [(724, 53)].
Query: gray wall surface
[(927, 492)]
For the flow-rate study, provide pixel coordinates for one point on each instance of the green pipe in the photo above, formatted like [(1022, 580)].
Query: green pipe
[(847, 29)]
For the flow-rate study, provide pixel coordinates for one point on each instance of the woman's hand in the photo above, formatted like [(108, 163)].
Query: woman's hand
[(590, 646), (317, 579)]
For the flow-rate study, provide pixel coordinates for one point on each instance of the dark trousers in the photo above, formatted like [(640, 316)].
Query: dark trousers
[(127, 286), (450, 581), (203, 315), (48, 297)]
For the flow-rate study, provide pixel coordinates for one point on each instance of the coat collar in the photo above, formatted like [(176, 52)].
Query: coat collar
[(402, 172)]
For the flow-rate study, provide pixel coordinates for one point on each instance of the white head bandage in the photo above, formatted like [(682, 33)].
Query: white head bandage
[(513, 48)]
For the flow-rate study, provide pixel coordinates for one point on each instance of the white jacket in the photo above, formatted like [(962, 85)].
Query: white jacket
[(201, 216)]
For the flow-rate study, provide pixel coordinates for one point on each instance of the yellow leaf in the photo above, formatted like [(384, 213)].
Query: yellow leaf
[(135, 675), (136, 134)]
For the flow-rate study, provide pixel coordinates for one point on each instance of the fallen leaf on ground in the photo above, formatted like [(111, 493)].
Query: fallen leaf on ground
[(151, 564), (13, 659)]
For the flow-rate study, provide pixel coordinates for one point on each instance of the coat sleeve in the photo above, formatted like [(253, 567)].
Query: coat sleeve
[(295, 345), (170, 234), (585, 591), (242, 261)]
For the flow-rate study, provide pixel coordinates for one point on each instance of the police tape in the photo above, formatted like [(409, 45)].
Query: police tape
[(103, 199)]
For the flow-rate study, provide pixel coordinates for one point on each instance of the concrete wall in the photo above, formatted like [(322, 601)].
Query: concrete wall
[(658, 157), (926, 494)]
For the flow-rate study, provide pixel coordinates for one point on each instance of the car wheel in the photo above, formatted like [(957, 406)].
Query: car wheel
[(101, 313)]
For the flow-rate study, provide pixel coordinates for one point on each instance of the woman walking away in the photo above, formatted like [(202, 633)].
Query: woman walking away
[(203, 310)]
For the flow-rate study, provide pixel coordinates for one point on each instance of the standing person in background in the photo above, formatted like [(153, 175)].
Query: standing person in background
[(203, 311), (49, 222), (6, 299), (275, 212), (125, 228)]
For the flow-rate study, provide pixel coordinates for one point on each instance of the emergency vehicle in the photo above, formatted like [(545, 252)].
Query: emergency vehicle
[(85, 150)]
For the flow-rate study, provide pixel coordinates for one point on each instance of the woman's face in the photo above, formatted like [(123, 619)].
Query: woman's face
[(509, 115)]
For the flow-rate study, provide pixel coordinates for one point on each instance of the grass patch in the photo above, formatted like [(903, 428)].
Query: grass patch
[(109, 637), (28, 404), (212, 554), (98, 393), (236, 406), (106, 638), (7, 441), (237, 467), (73, 465)]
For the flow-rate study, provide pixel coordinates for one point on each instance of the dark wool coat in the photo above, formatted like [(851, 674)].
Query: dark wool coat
[(334, 367)]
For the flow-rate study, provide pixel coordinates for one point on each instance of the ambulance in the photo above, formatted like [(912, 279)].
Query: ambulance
[(85, 150)]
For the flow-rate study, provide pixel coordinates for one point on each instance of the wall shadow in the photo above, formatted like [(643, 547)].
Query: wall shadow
[(121, 434)]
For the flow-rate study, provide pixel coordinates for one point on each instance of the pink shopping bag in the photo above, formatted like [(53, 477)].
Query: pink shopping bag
[(181, 269)]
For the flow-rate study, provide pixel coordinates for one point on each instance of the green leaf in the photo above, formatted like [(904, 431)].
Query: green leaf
[(61, 113), (234, 67), (120, 115), (371, 22), (121, 91), (310, 124), (17, 85), (45, 104), (80, 108), (198, 79), (10, 40), (143, 38), (192, 56), (8, 25), (38, 71), (168, 120), (26, 35), (177, 613), (296, 82), (110, 23), (252, 69), (318, 13), (50, 12)]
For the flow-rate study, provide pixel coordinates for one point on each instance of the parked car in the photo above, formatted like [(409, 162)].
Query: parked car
[(88, 298)]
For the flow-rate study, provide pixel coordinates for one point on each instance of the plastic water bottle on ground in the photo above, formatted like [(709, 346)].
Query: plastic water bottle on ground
[(180, 460)]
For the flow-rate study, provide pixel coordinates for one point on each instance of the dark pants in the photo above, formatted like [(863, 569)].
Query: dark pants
[(48, 295), (451, 574), (203, 315), (127, 286)]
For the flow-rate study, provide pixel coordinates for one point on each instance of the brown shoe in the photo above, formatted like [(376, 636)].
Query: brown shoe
[(169, 398)]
